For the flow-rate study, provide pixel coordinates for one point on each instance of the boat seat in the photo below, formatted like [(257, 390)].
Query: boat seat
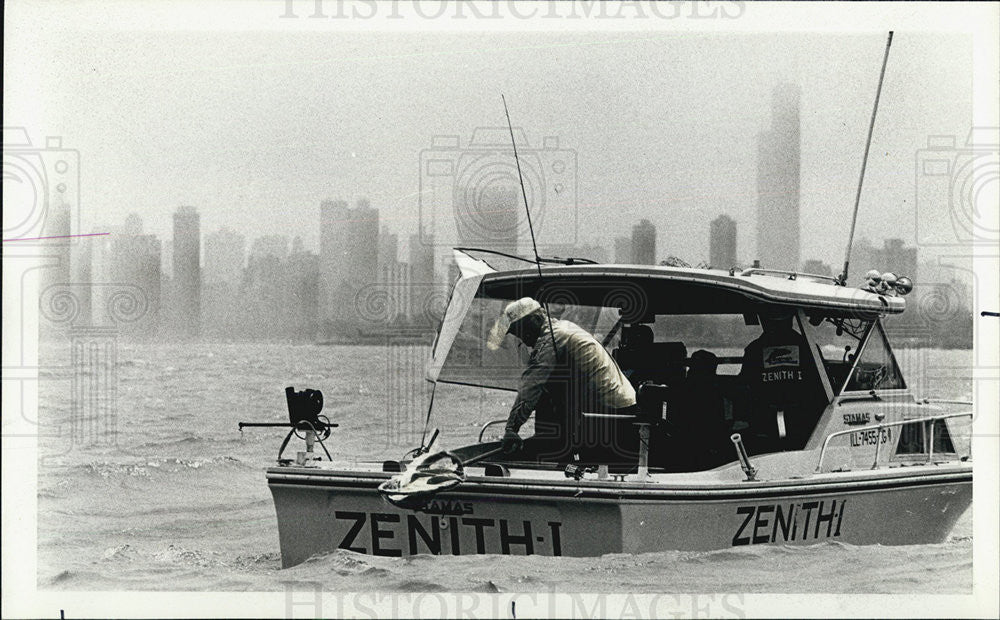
[(673, 356), (694, 433), (634, 356), (659, 362), (652, 398)]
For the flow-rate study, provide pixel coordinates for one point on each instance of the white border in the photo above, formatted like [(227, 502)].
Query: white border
[(20, 597)]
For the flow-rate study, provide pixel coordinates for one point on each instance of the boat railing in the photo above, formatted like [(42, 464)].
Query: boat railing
[(482, 430), (791, 275), (883, 425)]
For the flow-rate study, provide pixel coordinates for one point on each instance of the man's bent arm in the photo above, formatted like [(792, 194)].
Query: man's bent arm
[(519, 414), (533, 382)]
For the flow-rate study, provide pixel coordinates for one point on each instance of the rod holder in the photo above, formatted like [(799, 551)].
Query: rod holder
[(643, 469), (304, 458), (741, 454)]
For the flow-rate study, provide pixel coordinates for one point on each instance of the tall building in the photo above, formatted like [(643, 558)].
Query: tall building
[(348, 262), (722, 242), (222, 274), (423, 284), (134, 260), (186, 281), (266, 308), (224, 257), (55, 255), (388, 247), (644, 243), (303, 279), (778, 183), (102, 273), (421, 261), (395, 277), (55, 261), (623, 250), (81, 260)]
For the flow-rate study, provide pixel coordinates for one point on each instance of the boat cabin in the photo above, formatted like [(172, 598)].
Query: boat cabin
[(709, 353)]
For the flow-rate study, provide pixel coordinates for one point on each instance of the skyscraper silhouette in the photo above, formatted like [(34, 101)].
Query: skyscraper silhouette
[(348, 262), (134, 260), (221, 276), (722, 242), (644, 243), (186, 283), (778, 161), (623, 250)]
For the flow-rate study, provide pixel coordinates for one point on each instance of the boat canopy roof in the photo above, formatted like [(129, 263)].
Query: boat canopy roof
[(597, 296), (676, 290)]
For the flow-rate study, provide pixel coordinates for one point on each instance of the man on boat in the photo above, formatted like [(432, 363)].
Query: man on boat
[(778, 370), (569, 372)]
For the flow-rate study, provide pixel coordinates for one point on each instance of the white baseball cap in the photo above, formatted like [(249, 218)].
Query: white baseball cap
[(512, 312)]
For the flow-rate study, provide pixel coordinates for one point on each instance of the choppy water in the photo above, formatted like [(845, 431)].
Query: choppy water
[(179, 501)]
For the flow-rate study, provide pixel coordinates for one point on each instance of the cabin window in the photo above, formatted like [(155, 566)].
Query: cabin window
[(877, 368), (723, 335), (912, 439), (837, 340)]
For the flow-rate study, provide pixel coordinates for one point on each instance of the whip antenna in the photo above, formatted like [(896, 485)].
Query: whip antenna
[(531, 229), (524, 194), (864, 162)]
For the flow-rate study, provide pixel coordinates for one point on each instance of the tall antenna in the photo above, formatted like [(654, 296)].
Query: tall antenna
[(524, 194), (531, 229), (864, 163)]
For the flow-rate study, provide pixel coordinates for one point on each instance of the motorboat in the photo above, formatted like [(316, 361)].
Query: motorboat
[(854, 457)]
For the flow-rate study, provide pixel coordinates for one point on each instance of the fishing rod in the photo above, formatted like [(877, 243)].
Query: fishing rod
[(531, 229), (864, 163)]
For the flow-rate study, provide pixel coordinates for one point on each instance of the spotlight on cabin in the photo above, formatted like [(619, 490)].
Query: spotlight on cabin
[(873, 281), (904, 285)]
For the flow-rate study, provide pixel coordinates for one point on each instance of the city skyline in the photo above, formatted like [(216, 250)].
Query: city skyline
[(273, 287), (224, 253), (267, 162)]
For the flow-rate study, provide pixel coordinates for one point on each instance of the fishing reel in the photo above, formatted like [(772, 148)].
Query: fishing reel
[(304, 413), (306, 423)]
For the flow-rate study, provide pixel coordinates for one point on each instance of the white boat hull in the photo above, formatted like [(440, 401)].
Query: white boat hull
[(322, 510)]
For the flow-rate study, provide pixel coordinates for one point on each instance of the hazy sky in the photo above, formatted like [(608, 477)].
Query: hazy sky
[(256, 128)]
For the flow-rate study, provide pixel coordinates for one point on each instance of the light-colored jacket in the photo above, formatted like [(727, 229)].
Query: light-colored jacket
[(579, 373)]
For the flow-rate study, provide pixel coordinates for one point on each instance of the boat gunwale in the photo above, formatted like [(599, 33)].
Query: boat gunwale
[(953, 472)]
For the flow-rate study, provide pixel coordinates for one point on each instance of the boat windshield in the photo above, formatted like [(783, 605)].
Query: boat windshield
[(837, 340), (470, 362)]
